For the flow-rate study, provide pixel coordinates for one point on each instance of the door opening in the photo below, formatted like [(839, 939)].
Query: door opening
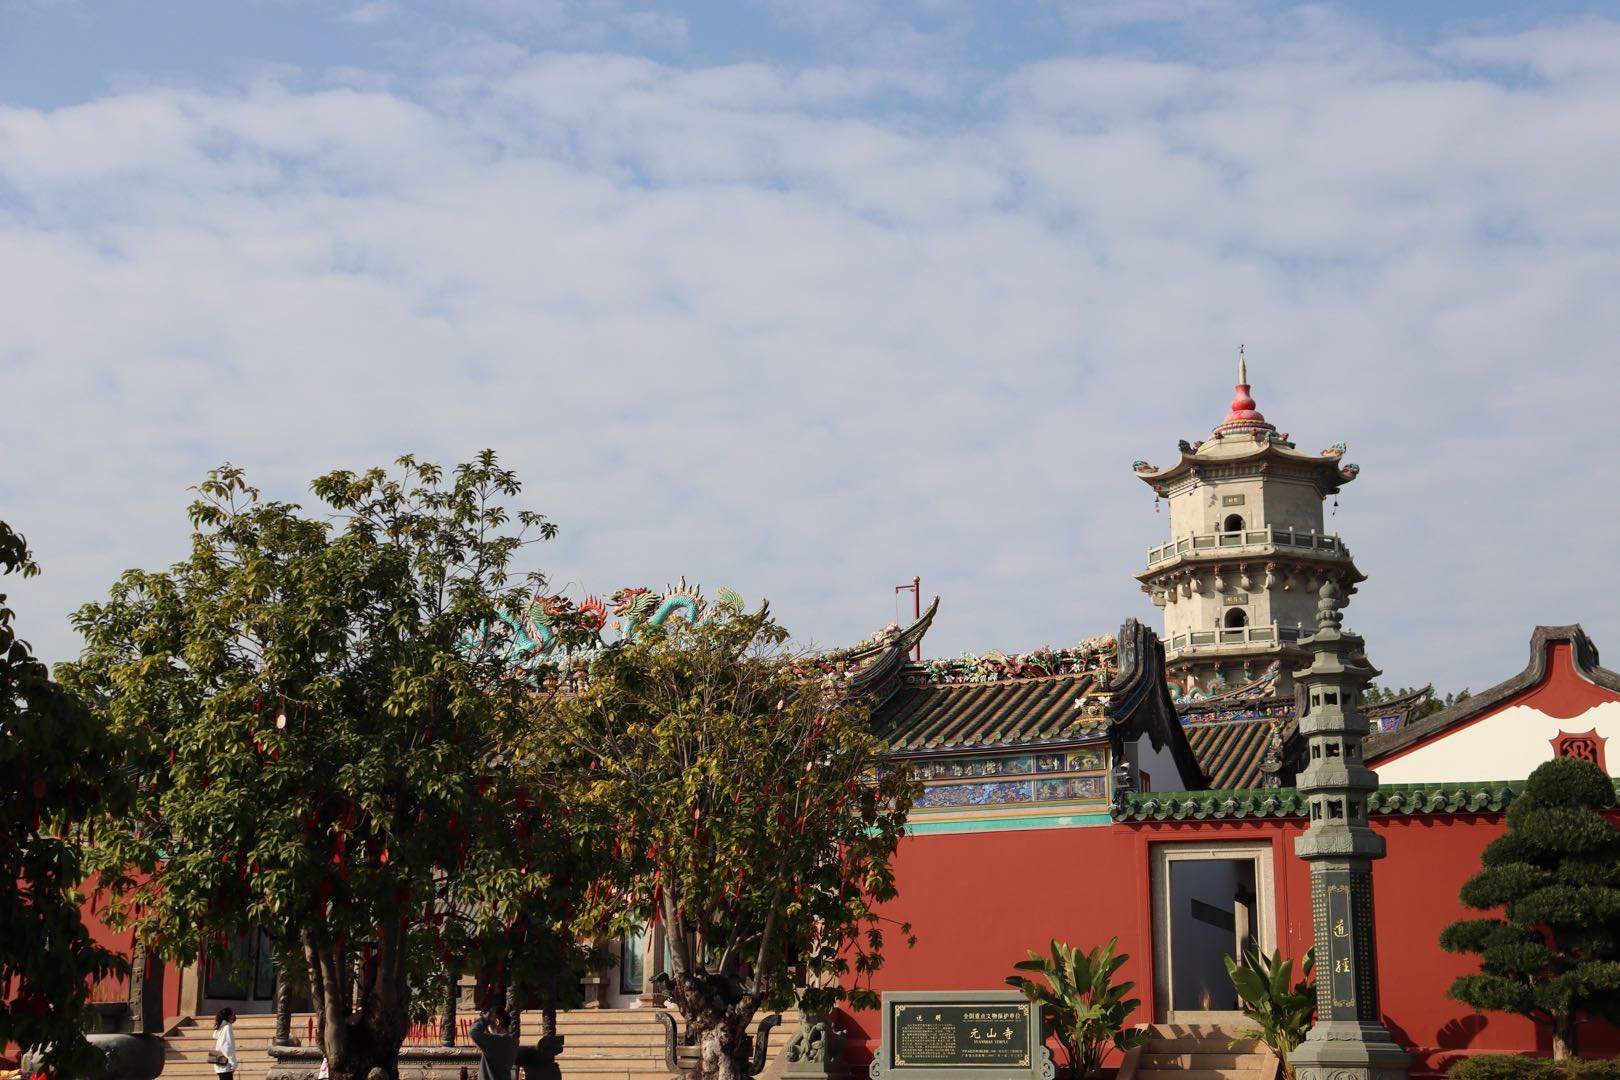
[(1211, 902)]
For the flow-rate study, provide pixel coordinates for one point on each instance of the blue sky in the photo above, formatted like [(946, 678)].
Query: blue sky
[(807, 298)]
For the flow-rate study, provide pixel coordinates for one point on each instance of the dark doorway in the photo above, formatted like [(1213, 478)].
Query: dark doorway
[(1236, 617), (1234, 523), (1212, 917)]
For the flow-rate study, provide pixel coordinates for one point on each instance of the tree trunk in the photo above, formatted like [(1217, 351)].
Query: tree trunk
[(357, 1040), (717, 1015), (1563, 1039)]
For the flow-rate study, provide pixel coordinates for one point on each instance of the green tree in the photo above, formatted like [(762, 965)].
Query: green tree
[(314, 708), (1081, 1004), (752, 812), (1553, 954), (55, 769)]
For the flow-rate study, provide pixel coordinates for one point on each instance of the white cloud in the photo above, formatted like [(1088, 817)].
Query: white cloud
[(810, 331)]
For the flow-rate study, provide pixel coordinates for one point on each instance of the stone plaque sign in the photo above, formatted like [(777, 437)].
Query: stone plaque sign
[(989, 1035)]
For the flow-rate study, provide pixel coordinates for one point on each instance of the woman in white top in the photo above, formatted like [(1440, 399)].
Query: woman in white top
[(224, 1052)]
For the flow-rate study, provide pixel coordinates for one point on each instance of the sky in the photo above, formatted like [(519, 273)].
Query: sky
[(807, 298)]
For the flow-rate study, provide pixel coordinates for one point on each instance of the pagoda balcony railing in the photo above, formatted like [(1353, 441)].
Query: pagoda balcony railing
[(1200, 640), (1240, 540)]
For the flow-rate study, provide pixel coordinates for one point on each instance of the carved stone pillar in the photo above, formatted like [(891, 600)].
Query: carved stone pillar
[(1348, 1040), (283, 1035), (447, 1010), (139, 1022)]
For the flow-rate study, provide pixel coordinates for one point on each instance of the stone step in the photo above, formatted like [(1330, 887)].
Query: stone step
[(1225, 1059), (1202, 1046), (1198, 1074)]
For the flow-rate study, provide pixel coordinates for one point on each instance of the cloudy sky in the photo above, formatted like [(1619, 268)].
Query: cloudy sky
[(807, 298)]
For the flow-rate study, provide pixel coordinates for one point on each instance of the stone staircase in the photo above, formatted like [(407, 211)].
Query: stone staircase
[(185, 1051), (601, 1044), (1199, 1052)]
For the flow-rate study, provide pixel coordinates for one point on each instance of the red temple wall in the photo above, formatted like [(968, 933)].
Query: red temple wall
[(978, 901)]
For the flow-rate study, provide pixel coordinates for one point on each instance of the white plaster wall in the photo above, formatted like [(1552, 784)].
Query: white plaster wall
[(1504, 746), (1293, 504)]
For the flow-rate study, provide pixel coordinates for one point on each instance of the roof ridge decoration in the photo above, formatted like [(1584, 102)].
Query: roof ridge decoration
[(1243, 415), (1187, 693), (1390, 800), (532, 640), (1093, 655)]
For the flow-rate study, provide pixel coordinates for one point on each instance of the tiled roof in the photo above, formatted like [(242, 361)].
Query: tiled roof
[(1390, 799), (1231, 753), (922, 716)]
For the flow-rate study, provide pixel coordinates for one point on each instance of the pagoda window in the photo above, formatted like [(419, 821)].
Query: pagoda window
[(1234, 523), (1236, 618), (1332, 749), (1335, 809), (1330, 697)]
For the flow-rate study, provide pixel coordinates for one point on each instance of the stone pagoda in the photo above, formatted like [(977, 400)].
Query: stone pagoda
[(1247, 551), (1348, 1040)]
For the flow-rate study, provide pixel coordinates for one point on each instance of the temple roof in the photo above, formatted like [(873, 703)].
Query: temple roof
[(1583, 656), (1233, 754), (923, 715), (1105, 689)]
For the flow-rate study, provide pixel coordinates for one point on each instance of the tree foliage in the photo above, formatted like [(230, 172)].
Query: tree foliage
[(1082, 1006), (752, 814), (1553, 954), (54, 769), (316, 735)]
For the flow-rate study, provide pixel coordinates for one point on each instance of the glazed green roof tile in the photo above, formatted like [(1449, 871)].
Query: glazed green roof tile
[(1391, 799)]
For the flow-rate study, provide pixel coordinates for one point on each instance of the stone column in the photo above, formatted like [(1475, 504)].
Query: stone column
[(283, 1035), (1348, 1041), (447, 1014)]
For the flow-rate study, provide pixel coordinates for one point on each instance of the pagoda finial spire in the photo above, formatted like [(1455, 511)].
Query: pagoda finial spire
[(1243, 368)]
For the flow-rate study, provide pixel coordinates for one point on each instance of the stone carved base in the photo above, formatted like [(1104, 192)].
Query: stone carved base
[(1349, 1050), (816, 1050)]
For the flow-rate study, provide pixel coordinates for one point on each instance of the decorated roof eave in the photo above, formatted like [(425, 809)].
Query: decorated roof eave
[(878, 665), (1099, 735), (1342, 565), (1390, 800), (1334, 474), (1583, 653), (1139, 701)]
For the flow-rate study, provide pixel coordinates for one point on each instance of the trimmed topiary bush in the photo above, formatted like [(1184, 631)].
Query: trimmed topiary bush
[(1553, 954)]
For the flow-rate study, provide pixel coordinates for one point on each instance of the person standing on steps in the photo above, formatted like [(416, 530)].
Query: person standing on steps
[(223, 1055), (497, 1046)]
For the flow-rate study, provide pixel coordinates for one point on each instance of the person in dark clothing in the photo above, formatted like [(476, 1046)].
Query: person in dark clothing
[(497, 1046)]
